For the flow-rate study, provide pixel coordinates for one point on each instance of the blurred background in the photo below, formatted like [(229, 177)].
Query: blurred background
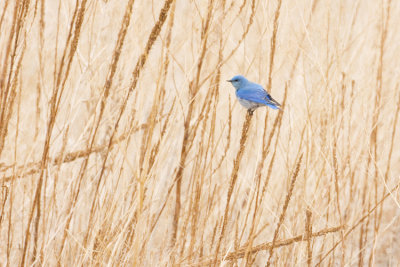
[(121, 143)]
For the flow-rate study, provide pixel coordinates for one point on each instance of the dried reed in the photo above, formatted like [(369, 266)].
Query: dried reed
[(121, 144)]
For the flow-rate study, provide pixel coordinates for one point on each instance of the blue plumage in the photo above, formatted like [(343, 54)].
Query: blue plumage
[(252, 95)]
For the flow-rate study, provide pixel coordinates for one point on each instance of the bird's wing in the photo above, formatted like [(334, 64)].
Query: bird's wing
[(256, 93)]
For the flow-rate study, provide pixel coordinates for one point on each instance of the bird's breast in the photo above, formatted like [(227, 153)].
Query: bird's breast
[(248, 104)]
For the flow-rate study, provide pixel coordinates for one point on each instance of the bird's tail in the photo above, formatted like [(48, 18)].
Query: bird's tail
[(274, 106), (274, 102)]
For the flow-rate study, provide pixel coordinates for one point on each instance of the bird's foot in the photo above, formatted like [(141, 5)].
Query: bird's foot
[(250, 111)]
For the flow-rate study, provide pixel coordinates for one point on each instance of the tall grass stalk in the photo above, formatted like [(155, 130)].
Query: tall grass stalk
[(121, 143)]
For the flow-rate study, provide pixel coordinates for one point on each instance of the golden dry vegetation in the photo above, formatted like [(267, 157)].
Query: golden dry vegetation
[(121, 143)]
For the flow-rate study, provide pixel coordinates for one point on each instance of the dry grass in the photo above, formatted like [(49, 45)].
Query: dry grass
[(122, 144)]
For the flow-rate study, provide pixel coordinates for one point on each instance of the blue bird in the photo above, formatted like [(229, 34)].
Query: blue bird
[(252, 95)]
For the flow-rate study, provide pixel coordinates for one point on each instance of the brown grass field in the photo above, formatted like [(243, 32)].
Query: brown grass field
[(122, 144)]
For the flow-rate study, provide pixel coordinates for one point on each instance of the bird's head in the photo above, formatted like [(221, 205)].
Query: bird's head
[(238, 81)]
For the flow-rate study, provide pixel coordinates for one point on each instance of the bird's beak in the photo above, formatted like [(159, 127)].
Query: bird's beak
[(229, 81)]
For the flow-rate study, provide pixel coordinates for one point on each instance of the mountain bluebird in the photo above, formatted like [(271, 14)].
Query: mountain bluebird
[(252, 95)]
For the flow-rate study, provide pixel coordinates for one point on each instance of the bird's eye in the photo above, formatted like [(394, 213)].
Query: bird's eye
[(236, 80)]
